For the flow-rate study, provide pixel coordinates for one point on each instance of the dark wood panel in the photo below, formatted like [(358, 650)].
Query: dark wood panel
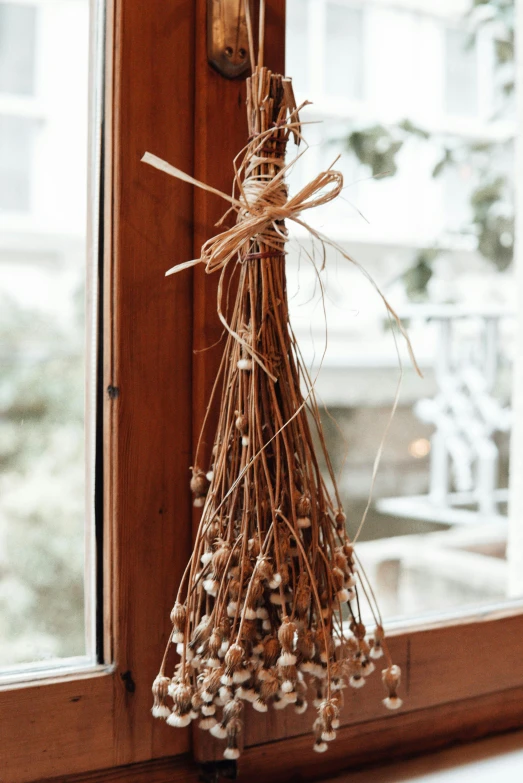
[(149, 324), (365, 745)]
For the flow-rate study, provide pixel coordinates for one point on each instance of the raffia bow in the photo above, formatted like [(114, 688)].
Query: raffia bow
[(261, 207)]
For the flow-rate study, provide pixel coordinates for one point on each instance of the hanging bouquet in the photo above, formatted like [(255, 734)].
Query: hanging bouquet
[(269, 609)]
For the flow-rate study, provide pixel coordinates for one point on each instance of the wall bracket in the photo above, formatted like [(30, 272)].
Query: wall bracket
[(227, 40)]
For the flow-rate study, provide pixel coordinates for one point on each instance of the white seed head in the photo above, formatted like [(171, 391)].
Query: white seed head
[(393, 702), (275, 582), (179, 721), (231, 754), (161, 711), (207, 723), (287, 659), (244, 364), (320, 747), (218, 731)]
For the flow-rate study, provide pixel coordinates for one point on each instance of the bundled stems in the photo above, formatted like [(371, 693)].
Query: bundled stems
[(269, 610)]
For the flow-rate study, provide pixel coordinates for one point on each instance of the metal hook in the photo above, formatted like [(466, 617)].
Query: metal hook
[(227, 38)]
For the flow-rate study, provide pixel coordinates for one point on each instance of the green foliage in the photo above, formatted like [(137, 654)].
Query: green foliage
[(42, 508), (491, 197), (377, 148)]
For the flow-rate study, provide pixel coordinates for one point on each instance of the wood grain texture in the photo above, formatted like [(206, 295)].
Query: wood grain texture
[(149, 323), (441, 666), (99, 721), (374, 742), (178, 769), (358, 747), (58, 727)]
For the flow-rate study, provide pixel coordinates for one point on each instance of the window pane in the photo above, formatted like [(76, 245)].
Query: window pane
[(428, 210), (461, 73), (16, 152), (297, 25), (17, 48), (43, 269), (344, 51)]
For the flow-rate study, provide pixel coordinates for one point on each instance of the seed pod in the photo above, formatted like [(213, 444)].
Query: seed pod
[(220, 560), (376, 650), (242, 423), (215, 641), (181, 696), (212, 532), (233, 658), (340, 520), (233, 709), (359, 630), (338, 577), (264, 568), (212, 681), (271, 651), (254, 546), (201, 633), (160, 692), (249, 631), (303, 506), (348, 551), (286, 635), (255, 590), (391, 679), (339, 560), (305, 645), (269, 688), (178, 616), (199, 483), (196, 701)]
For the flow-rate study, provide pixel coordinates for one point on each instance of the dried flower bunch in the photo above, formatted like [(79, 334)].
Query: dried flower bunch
[(269, 609)]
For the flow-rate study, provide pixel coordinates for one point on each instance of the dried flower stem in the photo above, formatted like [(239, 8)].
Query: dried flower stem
[(261, 604)]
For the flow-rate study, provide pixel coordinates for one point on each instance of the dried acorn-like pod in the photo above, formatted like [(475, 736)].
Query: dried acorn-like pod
[(160, 692), (391, 679), (199, 486)]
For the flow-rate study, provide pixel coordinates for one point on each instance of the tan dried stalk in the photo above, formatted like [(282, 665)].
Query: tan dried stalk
[(260, 608)]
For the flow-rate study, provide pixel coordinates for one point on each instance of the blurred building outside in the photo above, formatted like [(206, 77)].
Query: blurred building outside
[(43, 204), (359, 63), (435, 538)]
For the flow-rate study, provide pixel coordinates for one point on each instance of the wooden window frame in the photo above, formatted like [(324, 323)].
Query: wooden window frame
[(461, 680)]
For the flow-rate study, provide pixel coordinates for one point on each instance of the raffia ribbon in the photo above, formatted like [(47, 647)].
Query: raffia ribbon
[(261, 207)]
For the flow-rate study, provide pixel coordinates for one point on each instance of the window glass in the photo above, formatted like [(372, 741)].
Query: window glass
[(344, 51), (428, 210), (16, 152), (461, 73), (297, 24), (43, 269), (17, 48)]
